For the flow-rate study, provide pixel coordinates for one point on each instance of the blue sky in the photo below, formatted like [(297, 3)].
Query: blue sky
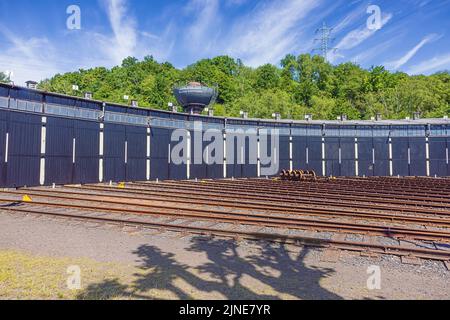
[(35, 42)]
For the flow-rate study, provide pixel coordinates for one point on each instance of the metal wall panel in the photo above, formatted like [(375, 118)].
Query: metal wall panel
[(114, 152), (4, 118), (159, 153), (136, 167), (23, 168), (418, 154), (400, 156), (92, 105), (348, 160), (448, 161), (197, 171), (365, 157), (333, 167), (250, 168), (274, 168), (4, 92), (59, 151), (66, 101), (448, 148), (438, 156), (314, 145), (299, 145), (284, 153), (381, 147), (87, 135), (24, 130), (26, 94), (215, 170), (176, 171), (235, 167), (234, 171)]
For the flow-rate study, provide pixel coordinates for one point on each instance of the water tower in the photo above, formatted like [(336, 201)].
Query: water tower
[(195, 97)]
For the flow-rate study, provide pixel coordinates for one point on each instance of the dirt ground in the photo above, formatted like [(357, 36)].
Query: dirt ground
[(38, 256)]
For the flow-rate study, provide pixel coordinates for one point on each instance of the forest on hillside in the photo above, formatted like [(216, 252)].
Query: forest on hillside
[(300, 85)]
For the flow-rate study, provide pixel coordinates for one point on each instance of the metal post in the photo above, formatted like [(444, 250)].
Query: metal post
[(43, 149), (391, 162), (225, 149), (356, 158), (291, 158), (100, 153), (148, 154)]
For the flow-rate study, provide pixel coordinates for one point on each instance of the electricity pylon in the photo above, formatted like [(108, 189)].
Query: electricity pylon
[(325, 40)]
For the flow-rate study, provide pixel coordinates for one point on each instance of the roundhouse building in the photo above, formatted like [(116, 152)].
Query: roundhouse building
[(48, 138)]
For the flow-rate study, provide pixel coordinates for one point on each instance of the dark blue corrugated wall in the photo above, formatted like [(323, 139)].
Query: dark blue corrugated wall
[(381, 147), (4, 116), (198, 168), (365, 157), (136, 167), (175, 171), (418, 166), (59, 151), (125, 146), (87, 135), (250, 169), (269, 155), (234, 168), (333, 168), (215, 170), (448, 151), (159, 160), (314, 145), (400, 156), (114, 152), (299, 145), (284, 153), (24, 149), (348, 161), (438, 156)]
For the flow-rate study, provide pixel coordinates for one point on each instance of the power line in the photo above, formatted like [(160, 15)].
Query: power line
[(325, 40)]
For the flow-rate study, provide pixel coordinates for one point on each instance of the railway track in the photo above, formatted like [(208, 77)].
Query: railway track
[(250, 219), (292, 207), (295, 188), (140, 207), (306, 198), (243, 202), (367, 248)]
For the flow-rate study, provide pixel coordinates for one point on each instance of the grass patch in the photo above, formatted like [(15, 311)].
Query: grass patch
[(25, 276)]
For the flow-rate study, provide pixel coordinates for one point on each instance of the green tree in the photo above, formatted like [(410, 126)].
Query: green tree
[(3, 77), (301, 84), (267, 77)]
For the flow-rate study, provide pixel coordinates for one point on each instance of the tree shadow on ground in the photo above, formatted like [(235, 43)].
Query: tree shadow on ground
[(268, 274)]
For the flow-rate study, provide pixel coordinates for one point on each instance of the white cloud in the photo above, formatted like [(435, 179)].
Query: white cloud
[(201, 33), (435, 64), (269, 32), (352, 17), (411, 53), (126, 39), (367, 54), (359, 35), (124, 29), (29, 58), (235, 2), (37, 58)]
